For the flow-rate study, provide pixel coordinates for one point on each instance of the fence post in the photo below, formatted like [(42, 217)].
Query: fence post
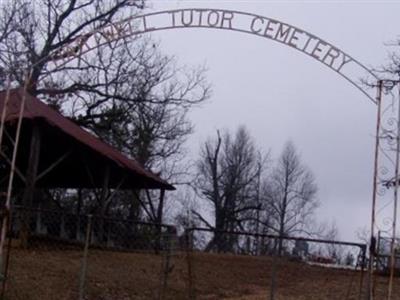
[(275, 258), (189, 258), (4, 265), (63, 232), (363, 261), (82, 277), (166, 263)]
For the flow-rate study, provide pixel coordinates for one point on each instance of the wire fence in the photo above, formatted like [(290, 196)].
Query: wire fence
[(383, 253), (56, 255), (274, 267)]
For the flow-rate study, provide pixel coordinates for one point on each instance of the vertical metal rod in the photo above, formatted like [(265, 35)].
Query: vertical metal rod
[(257, 248), (2, 122), (7, 260), (189, 261), (374, 193), (363, 254), (395, 200), (82, 277), (275, 258), (166, 268), (12, 171)]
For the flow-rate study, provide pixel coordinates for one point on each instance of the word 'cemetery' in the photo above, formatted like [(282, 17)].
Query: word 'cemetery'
[(268, 28)]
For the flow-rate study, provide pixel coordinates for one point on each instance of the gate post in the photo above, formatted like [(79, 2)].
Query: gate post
[(374, 194), (83, 273)]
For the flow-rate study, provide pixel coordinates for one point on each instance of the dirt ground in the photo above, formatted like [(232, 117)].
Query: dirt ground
[(50, 275)]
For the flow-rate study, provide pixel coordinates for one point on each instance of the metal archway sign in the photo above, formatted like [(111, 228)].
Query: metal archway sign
[(309, 44)]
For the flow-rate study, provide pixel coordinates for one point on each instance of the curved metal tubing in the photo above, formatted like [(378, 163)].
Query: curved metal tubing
[(329, 55)]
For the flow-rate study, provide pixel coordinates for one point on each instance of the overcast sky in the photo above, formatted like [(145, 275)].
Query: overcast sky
[(282, 94)]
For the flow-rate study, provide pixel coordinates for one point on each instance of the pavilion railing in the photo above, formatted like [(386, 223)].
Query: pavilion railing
[(57, 228)]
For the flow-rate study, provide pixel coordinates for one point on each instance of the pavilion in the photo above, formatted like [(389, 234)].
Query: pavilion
[(54, 153)]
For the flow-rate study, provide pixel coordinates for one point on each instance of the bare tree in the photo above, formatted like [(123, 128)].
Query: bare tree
[(38, 28), (228, 172), (391, 69), (290, 195), (126, 92), (363, 235), (335, 252)]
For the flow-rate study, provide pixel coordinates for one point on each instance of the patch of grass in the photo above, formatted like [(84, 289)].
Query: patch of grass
[(49, 275)]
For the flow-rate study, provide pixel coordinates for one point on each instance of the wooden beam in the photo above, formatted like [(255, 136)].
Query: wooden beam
[(19, 173), (105, 190), (31, 174), (89, 173), (53, 165), (117, 189), (143, 205), (160, 207), (9, 137)]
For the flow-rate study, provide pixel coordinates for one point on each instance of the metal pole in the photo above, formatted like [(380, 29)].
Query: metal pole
[(7, 260), (12, 171), (374, 193), (82, 278), (363, 254), (275, 258), (166, 268), (4, 221), (189, 261), (395, 200)]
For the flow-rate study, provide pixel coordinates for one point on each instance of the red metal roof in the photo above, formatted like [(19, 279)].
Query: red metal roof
[(35, 109)]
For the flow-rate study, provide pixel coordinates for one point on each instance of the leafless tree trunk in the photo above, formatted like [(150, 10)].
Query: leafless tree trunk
[(290, 194), (228, 171)]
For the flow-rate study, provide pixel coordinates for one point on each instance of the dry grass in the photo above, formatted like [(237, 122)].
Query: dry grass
[(49, 275)]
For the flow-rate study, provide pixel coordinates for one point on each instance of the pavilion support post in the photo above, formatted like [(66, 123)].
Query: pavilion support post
[(31, 175), (78, 216), (159, 219), (160, 208), (103, 203), (134, 209), (105, 189)]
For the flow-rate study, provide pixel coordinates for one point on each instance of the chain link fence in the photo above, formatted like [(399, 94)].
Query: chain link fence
[(56, 255), (384, 251), (262, 266)]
